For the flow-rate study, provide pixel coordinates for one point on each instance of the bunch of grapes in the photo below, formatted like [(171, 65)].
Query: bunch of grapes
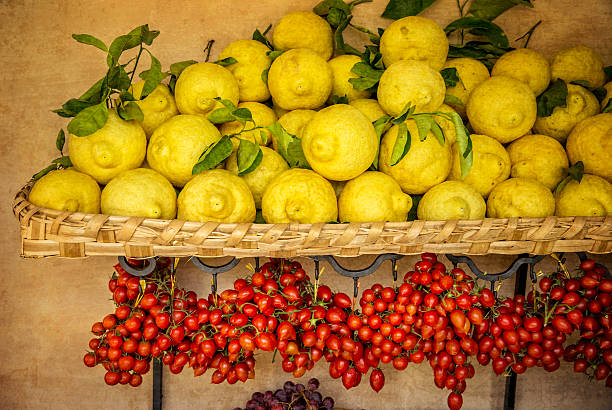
[(291, 397)]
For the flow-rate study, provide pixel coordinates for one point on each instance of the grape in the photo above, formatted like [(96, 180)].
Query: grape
[(268, 395), (289, 386), (300, 387), (316, 396), (328, 402), (313, 384), (251, 405), (257, 396)]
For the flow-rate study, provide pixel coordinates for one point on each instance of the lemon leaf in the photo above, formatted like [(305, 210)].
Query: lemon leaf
[(177, 68), (464, 143), (226, 61), (437, 131), (368, 76), (134, 38), (554, 96), (261, 37), (264, 75), (450, 76), (576, 171), (289, 146), (324, 7), (336, 99), (412, 214), (214, 155), (248, 157), (72, 107), (401, 146), (90, 40), (406, 112), (130, 111), (58, 163), (608, 107), (259, 219), (379, 127), (397, 9), (451, 99), (490, 9), (608, 71), (94, 93), (89, 120), (480, 27), (153, 76), (117, 78), (424, 124), (60, 140)]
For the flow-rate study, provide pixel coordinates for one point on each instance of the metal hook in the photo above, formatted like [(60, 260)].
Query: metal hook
[(355, 273), (149, 265), (214, 270)]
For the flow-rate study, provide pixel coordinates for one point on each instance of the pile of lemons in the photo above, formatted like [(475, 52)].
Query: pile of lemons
[(519, 158)]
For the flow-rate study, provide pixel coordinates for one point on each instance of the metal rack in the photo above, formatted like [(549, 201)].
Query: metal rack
[(522, 266)]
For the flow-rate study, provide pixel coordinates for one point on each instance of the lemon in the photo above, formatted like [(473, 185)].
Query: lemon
[(67, 190), (176, 146), (471, 72), (369, 107), (526, 65), (252, 61), (272, 165), (502, 108), (411, 82), (157, 107), (262, 116), (538, 157), (591, 197), (304, 29), (216, 195), (519, 197), (490, 166), (414, 38), (341, 68), (293, 122), (373, 197), (299, 195), (300, 78), (578, 63), (198, 86), (581, 104), (426, 164), (591, 142), (139, 192), (608, 88), (451, 200), (116, 147), (339, 142)]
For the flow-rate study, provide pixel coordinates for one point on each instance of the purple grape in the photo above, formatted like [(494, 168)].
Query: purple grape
[(328, 402), (268, 395), (257, 396), (316, 396), (289, 386), (251, 405), (300, 387), (313, 384)]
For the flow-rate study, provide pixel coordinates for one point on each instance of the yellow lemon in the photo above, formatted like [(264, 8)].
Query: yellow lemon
[(67, 190), (341, 68), (293, 122), (538, 157), (526, 65), (272, 165), (339, 142), (519, 197), (578, 63), (262, 116), (300, 78), (176, 146), (581, 104), (252, 61), (304, 29), (216, 195), (198, 86), (369, 107), (116, 147), (502, 108), (471, 72), (591, 142), (414, 38), (373, 197), (426, 164), (157, 107), (491, 164), (591, 197), (139, 192), (299, 195), (411, 82), (451, 200), (608, 96)]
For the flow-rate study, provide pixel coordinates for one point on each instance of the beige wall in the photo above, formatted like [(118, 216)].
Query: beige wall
[(49, 305)]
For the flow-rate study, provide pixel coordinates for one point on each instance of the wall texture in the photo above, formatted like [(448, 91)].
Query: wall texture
[(49, 305)]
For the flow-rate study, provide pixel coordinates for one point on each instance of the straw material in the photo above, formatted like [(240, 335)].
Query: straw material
[(46, 232)]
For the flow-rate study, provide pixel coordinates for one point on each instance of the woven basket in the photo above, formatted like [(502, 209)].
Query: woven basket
[(46, 232)]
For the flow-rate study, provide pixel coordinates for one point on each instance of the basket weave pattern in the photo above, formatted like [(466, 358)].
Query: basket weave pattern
[(46, 232)]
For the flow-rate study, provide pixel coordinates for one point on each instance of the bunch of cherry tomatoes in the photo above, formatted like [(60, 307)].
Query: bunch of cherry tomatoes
[(437, 315)]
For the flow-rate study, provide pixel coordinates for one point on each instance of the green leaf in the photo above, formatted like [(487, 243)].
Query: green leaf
[(130, 111), (451, 78), (408, 110), (214, 155), (599, 93), (324, 7), (554, 96), (368, 76), (397, 9), (89, 120), (226, 61), (289, 146), (264, 75), (95, 92), (58, 163), (134, 38), (608, 107), (424, 124), (177, 68), (339, 38), (243, 115), (437, 131), (608, 71), (480, 27), (451, 99), (220, 115), (60, 140), (490, 9), (126, 96), (90, 40), (336, 99), (259, 218), (72, 107), (379, 127), (464, 143), (402, 144), (261, 37), (576, 171), (117, 78), (248, 157), (412, 214), (582, 83), (335, 17), (153, 76), (274, 54)]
